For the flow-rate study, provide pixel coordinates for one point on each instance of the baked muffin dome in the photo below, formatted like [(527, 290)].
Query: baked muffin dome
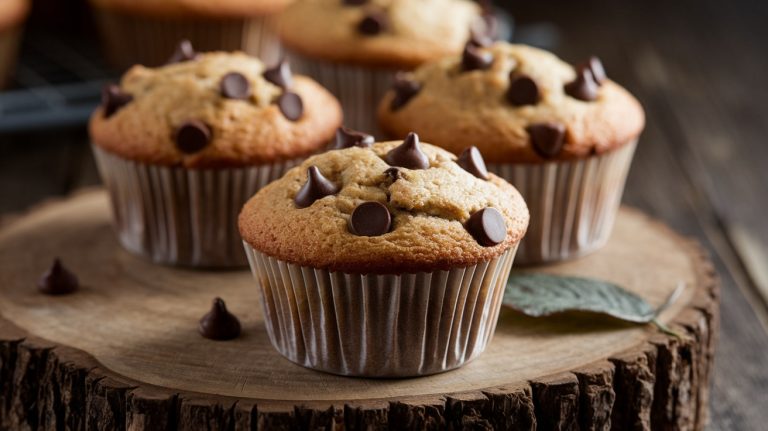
[(515, 103), (214, 110), (433, 210), (195, 8), (381, 33)]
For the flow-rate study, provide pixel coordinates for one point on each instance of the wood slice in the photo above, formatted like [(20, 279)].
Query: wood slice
[(124, 353)]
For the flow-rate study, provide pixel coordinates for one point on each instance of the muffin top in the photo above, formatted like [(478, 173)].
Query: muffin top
[(516, 103), (12, 12), (214, 110), (390, 207), (398, 34), (195, 8)]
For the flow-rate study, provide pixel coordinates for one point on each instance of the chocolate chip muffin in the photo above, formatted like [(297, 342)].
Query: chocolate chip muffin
[(353, 47), (563, 135), (182, 147), (397, 245), (12, 16)]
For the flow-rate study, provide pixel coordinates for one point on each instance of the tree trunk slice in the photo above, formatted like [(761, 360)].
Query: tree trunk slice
[(124, 353)]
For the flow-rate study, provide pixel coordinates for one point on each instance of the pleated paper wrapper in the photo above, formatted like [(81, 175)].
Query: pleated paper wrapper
[(380, 325), (573, 204), (179, 216)]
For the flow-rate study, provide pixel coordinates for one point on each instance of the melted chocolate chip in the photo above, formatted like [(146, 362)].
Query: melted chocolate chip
[(393, 174), (472, 161), (316, 187), (58, 280), (475, 58), (192, 136), (522, 90), (373, 23), (547, 138), (404, 89), (235, 85), (584, 87), (370, 219), (280, 75), (219, 323), (184, 52), (112, 99), (290, 105), (354, 2), (596, 67), (408, 154), (487, 226), (346, 138)]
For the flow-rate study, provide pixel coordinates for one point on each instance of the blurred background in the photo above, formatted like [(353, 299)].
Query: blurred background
[(698, 66)]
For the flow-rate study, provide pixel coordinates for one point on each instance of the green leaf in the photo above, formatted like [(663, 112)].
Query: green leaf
[(542, 295)]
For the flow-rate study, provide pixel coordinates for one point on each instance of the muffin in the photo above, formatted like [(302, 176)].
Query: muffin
[(145, 31), (12, 16), (354, 47), (383, 260), (182, 147), (563, 135)]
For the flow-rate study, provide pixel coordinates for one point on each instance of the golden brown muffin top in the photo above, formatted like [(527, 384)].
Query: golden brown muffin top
[(430, 210), (195, 8), (216, 110), (398, 34), (515, 103), (12, 12)]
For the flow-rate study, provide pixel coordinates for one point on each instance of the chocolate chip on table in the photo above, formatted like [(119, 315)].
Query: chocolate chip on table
[(584, 87), (184, 52), (370, 219), (58, 280), (487, 226), (346, 138), (393, 174), (280, 75), (112, 99), (316, 187), (547, 138), (219, 324), (472, 161), (290, 105), (596, 67), (192, 136), (474, 58), (408, 154), (235, 85), (405, 89), (372, 23), (523, 90)]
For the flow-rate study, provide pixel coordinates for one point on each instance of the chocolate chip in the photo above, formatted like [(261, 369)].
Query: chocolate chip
[(354, 2), (290, 105), (184, 52), (404, 89), (474, 58), (487, 226), (192, 136), (393, 174), (522, 90), (346, 138), (596, 67), (280, 75), (370, 219), (373, 23), (408, 154), (219, 324), (112, 99), (235, 86), (58, 280), (316, 187), (584, 87), (472, 161), (547, 138)]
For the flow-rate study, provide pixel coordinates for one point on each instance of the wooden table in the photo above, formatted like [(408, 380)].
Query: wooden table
[(699, 68)]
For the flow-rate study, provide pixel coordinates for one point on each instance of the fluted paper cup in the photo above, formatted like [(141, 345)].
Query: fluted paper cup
[(377, 325), (135, 39), (179, 216), (359, 89), (573, 204)]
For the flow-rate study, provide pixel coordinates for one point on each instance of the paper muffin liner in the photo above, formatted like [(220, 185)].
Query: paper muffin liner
[(9, 48), (359, 89), (375, 325), (179, 216), (573, 204), (134, 39)]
